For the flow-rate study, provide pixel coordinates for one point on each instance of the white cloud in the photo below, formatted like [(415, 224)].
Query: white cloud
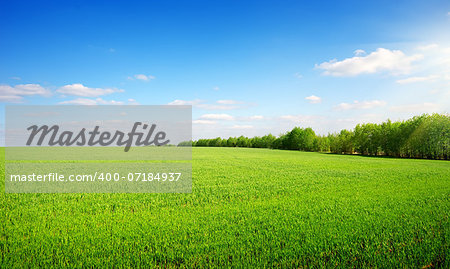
[(313, 99), (222, 104), (217, 117), (360, 105), (416, 108), (428, 47), (208, 122), (11, 98), (132, 102), (359, 52), (16, 78), (216, 107), (381, 60), (86, 101), (228, 102), (142, 77), (78, 89), (16, 93), (27, 89), (185, 102), (306, 119), (256, 117), (298, 75), (417, 79), (241, 127), (216, 88), (442, 94)]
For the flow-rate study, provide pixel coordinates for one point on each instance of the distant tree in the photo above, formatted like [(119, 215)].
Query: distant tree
[(307, 139), (216, 142), (202, 143), (293, 139), (322, 144), (267, 141), (185, 144), (279, 143), (231, 142), (425, 136), (224, 143), (243, 142), (256, 142)]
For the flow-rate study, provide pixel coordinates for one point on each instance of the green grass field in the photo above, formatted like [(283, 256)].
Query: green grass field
[(248, 207)]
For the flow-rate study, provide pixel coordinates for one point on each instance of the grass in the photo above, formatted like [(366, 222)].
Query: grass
[(248, 208)]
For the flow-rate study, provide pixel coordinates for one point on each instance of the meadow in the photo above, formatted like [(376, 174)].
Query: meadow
[(248, 208)]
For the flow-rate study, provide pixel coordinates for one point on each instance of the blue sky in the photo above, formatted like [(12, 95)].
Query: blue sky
[(247, 67)]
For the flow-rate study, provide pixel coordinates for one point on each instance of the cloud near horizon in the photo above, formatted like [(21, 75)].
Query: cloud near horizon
[(394, 62), (15, 94), (300, 118), (219, 105), (426, 107), (209, 122), (216, 117), (313, 99), (256, 117), (360, 105), (142, 77), (428, 46), (91, 102), (228, 102), (78, 89), (417, 79), (237, 126)]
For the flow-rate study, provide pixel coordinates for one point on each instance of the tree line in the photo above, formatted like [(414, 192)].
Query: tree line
[(426, 136)]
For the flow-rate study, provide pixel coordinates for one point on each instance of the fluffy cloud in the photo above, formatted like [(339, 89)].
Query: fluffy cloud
[(381, 60), (132, 102), (228, 102), (417, 79), (256, 117), (78, 89), (241, 127), (360, 105), (217, 117), (142, 77), (428, 47), (16, 93), (208, 122), (305, 119), (216, 107), (86, 101), (216, 88), (417, 108), (359, 52), (313, 99), (185, 103), (219, 105)]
